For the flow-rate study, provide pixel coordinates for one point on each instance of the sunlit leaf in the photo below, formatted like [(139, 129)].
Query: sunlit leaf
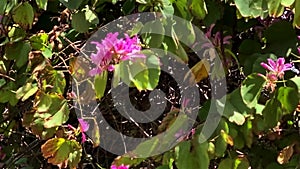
[(79, 22), (26, 91), (55, 80), (251, 89), (275, 8), (198, 72), (100, 84), (61, 152), (198, 8), (153, 33), (296, 21), (42, 4)]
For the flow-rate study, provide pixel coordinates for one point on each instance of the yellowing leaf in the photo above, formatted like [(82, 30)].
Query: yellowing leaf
[(285, 154), (198, 72), (61, 152), (227, 138)]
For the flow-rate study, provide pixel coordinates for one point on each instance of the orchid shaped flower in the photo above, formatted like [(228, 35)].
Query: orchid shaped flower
[(216, 39), (83, 127), (275, 70), (119, 167), (111, 51)]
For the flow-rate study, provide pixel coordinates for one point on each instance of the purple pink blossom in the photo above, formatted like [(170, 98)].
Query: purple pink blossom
[(119, 167), (82, 127), (111, 51), (275, 70), (216, 39)]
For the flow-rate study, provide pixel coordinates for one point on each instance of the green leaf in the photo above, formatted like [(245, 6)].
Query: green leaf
[(238, 163), (272, 113), (246, 129), (227, 163), (100, 84), (60, 151), (287, 3), (71, 4), (24, 15), (241, 163), (16, 34), (184, 157), (275, 8), (55, 80), (221, 146), (26, 91), (237, 118), (251, 89), (39, 42), (168, 8), (90, 16), (198, 9), (200, 154), (59, 112), (185, 32), (2, 82), (42, 4), (7, 94), (128, 6), (286, 96), (296, 21), (153, 33), (79, 22), (284, 32), (251, 8), (3, 4), (142, 73), (214, 13), (295, 83), (181, 9), (51, 109), (18, 51)]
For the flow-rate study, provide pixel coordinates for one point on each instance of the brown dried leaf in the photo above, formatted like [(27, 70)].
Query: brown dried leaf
[(285, 154)]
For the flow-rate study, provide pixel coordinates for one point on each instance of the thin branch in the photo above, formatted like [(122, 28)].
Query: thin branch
[(5, 76)]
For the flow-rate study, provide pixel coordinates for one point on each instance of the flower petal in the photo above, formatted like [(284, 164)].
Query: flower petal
[(272, 64), (267, 67), (84, 126)]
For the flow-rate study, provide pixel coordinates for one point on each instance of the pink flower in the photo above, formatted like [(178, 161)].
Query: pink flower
[(84, 126), (277, 68), (112, 50), (2, 154), (216, 39), (119, 167)]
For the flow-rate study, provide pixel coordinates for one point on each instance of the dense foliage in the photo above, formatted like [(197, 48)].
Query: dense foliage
[(258, 42)]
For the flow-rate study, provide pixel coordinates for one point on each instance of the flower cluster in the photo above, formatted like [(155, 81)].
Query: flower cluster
[(275, 70), (119, 167), (111, 51), (216, 39)]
